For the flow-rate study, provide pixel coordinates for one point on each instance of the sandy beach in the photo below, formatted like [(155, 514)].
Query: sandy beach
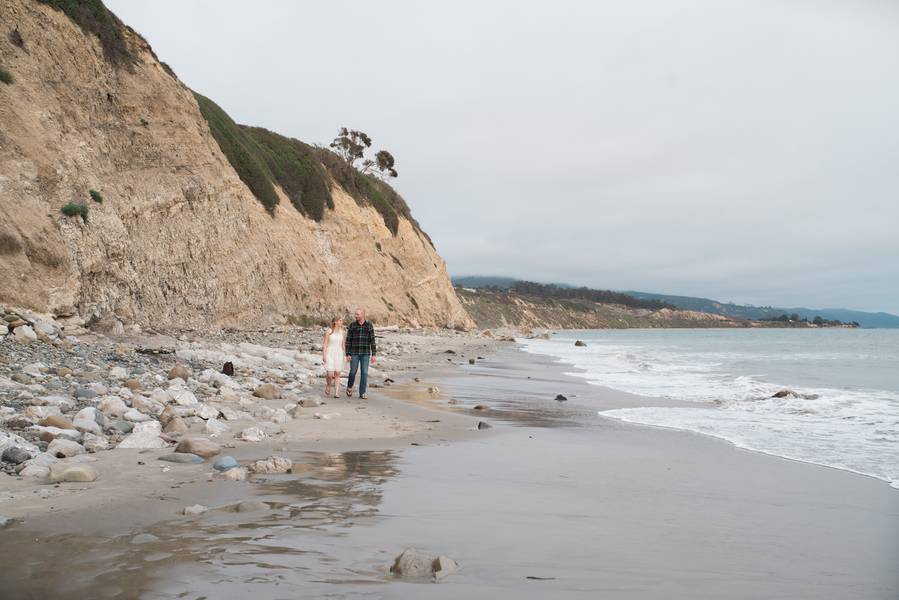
[(552, 501)]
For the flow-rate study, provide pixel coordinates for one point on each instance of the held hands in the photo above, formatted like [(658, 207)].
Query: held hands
[(373, 359), (348, 357)]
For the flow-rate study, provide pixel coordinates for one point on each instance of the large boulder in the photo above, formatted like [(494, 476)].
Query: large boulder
[(198, 445)]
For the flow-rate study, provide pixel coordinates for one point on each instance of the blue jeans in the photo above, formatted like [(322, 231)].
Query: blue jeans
[(355, 361)]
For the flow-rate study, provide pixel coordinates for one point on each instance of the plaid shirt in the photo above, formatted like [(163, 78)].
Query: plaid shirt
[(360, 339)]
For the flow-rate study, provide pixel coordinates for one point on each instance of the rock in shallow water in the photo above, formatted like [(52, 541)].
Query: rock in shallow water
[(144, 538), (194, 510), (273, 465), (413, 563), (225, 463)]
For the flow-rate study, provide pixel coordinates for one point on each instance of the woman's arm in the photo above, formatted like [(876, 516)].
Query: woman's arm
[(325, 344)]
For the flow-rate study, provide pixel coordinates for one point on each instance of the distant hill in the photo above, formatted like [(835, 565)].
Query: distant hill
[(727, 309), (740, 311)]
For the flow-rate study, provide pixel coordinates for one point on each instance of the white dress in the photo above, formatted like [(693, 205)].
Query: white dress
[(335, 357)]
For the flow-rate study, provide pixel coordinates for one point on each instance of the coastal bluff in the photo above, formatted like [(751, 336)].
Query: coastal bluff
[(119, 200)]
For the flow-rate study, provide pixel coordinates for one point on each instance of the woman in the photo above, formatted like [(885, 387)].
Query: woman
[(333, 352)]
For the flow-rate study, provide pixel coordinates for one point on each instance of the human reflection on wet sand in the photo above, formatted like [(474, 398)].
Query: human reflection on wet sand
[(224, 552)]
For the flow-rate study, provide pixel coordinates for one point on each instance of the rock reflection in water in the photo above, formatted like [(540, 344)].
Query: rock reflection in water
[(222, 553)]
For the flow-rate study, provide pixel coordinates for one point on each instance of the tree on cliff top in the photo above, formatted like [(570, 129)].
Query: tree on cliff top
[(350, 145)]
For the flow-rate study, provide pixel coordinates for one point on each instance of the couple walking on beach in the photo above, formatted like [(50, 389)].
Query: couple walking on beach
[(355, 345)]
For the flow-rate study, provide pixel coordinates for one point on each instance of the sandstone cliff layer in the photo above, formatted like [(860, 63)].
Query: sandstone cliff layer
[(176, 237)]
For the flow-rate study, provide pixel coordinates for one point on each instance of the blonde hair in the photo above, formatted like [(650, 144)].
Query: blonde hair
[(334, 322)]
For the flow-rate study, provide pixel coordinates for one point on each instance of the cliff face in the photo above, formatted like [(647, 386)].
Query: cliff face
[(178, 238), (505, 309)]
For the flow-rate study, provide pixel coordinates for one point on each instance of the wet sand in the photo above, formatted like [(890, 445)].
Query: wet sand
[(596, 507)]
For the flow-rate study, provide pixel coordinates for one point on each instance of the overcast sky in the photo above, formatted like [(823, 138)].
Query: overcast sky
[(744, 151)]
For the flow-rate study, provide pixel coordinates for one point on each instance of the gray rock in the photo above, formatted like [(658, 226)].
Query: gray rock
[(194, 510), (122, 426), (580, 344), (561, 398), (84, 393), (24, 333), (16, 455), (78, 473), (483, 425)]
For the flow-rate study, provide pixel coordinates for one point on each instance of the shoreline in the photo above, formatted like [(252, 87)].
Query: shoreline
[(653, 512)]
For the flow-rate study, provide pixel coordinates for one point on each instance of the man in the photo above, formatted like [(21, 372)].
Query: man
[(360, 348)]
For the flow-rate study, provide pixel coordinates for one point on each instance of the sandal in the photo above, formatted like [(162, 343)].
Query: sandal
[(363, 396), (349, 393)]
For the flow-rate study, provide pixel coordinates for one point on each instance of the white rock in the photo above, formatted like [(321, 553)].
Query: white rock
[(46, 328), (55, 432), (24, 333), (113, 405), (325, 416), (3, 329), (62, 402), (215, 427), (95, 443), (160, 396), (35, 471), (146, 405), (280, 416), (229, 395), (118, 373), (125, 393), (145, 435), (35, 369), (8, 439), (196, 509), (91, 413), (235, 415), (61, 448), (252, 434), (41, 412), (98, 387), (183, 397), (205, 411), (136, 416), (42, 459)]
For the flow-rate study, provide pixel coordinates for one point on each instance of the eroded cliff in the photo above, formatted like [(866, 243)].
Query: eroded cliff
[(178, 238)]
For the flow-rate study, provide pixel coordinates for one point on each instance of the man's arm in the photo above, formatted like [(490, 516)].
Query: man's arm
[(374, 348)]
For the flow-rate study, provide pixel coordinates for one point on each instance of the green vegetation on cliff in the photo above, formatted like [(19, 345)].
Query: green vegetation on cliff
[(6, 76), (264, 159), (94, 18)]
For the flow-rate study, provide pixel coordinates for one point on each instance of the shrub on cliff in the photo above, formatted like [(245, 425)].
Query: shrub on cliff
[(75, 209), (96, 197), (94, 18), (6, 77)]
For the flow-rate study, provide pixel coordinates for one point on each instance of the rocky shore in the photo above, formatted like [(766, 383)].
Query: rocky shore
[(85, 406)]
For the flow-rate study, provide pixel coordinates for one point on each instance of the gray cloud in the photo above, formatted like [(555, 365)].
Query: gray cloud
[(743, 151)]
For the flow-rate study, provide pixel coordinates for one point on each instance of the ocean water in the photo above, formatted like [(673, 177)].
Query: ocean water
[(845, 416)]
